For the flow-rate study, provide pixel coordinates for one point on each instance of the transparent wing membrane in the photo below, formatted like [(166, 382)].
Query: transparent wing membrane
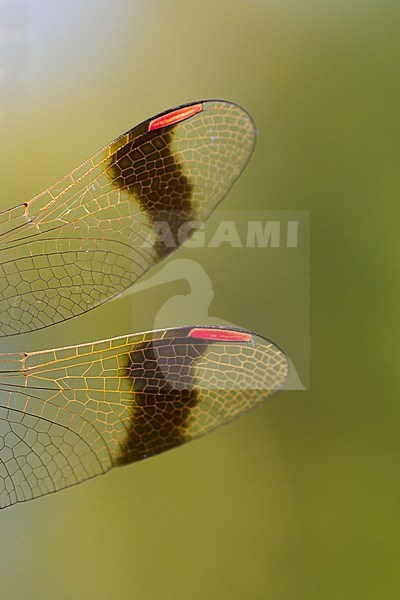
[(92, 234), (72, 413), (69, 414)]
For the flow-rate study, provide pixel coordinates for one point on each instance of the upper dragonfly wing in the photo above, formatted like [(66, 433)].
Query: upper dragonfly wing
[(92, 234), (72, 413)]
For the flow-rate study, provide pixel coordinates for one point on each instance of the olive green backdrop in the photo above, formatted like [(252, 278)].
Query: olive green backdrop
[(298, 500)]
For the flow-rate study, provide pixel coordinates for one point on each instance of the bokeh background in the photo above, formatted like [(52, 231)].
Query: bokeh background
[(297, 500)]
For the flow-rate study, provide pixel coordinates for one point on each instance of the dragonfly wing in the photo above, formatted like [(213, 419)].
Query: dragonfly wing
[(91, 235), (39, 456), (71, 413)]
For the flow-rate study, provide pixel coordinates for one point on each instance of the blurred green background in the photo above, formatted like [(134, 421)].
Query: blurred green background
[(298, 500)]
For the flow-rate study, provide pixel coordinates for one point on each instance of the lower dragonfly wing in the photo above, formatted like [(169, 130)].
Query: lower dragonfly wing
[(92, 234), (39, 456), (69, 414)]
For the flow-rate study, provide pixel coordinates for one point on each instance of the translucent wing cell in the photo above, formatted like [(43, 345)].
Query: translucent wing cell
[(92, 234), (72, 413)]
